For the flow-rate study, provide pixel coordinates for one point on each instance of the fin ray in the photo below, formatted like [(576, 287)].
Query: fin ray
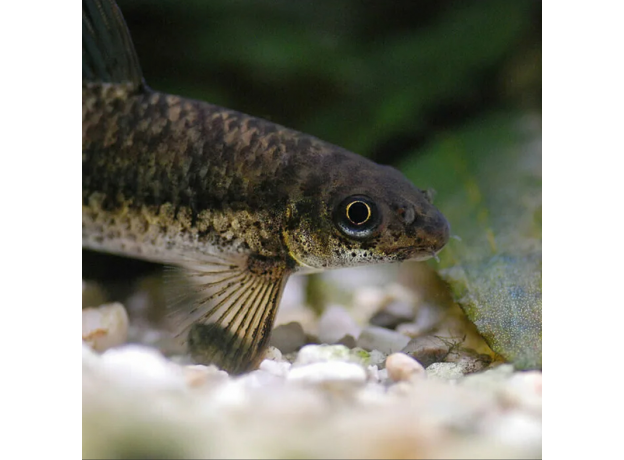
[(225, 316), (108, 54)]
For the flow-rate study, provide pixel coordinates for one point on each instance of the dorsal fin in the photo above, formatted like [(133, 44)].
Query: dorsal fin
[(108, 54)]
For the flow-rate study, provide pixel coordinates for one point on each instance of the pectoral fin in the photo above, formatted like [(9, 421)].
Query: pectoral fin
[(225, 309)]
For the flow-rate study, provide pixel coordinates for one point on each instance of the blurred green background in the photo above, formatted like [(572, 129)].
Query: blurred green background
[(380, 78)]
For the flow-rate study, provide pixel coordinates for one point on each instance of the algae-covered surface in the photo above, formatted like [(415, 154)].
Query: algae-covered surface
[(488, 182)]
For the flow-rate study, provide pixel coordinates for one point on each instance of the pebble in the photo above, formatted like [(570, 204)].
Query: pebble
[(393, 314), (279, 369), (469, 360), (411, 329), (105, 327), (427, 349), (401, 367), (333, 401), (273, 354), (517, 429), (348, 341), (336, 323), (376, 357), (444, 371), (142, 367), (366, 301), (260, 378), (326, 372), (384, 340), (524, 390), (197, 375), (288, 337), (324, 353)]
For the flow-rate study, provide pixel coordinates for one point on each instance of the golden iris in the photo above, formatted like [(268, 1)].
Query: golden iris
[(358, 212)]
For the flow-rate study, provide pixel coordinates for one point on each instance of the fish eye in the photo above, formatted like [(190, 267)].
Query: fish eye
[(357, 217), (358, 212)]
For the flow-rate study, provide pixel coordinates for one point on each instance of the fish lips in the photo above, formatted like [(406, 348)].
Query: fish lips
[(437, 233)]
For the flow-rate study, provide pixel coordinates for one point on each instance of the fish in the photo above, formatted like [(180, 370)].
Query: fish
[(235, 203)]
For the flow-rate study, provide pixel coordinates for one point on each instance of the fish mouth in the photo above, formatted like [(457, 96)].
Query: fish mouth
[(416, 253)]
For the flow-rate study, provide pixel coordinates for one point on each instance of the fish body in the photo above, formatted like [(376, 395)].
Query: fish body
[(237, 202)]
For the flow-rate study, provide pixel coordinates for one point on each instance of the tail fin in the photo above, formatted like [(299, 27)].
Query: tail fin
[(108, 54)]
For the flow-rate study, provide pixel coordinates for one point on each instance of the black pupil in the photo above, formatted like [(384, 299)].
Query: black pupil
[(358, 213)]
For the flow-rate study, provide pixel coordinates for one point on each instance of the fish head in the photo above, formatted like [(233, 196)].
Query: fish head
[(352, 212)]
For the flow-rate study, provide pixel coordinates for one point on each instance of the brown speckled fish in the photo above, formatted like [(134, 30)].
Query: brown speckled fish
[(238, 203)]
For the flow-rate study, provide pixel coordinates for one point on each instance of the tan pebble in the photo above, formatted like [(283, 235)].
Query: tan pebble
[(105, 327), (401, 367), (197, 375)]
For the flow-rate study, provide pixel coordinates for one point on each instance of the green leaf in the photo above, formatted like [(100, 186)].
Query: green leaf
[(488, 182)]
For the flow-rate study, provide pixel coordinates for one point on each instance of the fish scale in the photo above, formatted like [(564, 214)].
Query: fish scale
[(237, 203)]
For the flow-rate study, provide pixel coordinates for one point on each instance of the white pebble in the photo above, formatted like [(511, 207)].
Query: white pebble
[(445, 371), (260, 378), (90, 359), (140, 366), (279, 369), (273, 353), (331, 371), (517, 429), (376, 357), (401, 309), (335, 323), (524, 390), (322, 353), (197, 375), (401, 367), (385, 340), (105, 327)]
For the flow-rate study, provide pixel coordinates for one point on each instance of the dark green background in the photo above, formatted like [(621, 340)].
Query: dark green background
[(381, 78)]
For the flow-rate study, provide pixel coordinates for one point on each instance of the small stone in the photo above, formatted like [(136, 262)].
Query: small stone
[(197, 375), (386, 320), (326, 353), (288, 337), (427, 349), (142, 367), (372, 373), (524, 390), (279, 369), (348, 341), (376, 357), (105, 327), (469, 360), (444, 371), (531, 381), (327, 372), (259, 378), (90, 359), (384, 340), (410, 329), (335, 323), (402, 367), (274, 354), (366, 301), (393, 314), (517, 429)]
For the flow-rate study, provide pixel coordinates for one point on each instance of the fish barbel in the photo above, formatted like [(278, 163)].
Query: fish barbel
[(236, 202)]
